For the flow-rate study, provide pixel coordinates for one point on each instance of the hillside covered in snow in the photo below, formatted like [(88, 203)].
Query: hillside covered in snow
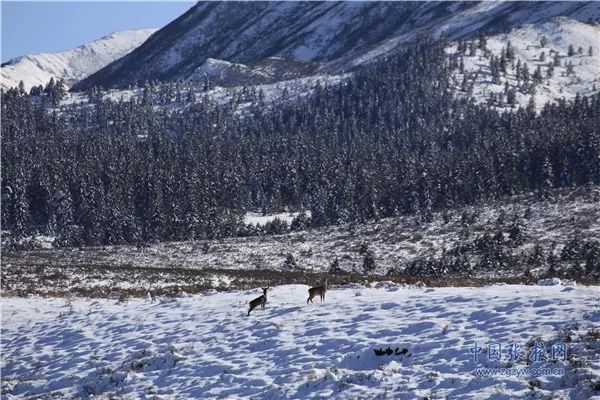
[(335, 35), (566, 51), (545, 61), (71, 65), (542, 62)]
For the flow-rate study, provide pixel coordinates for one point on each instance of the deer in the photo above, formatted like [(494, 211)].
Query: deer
[(259, 301), (317, 290)]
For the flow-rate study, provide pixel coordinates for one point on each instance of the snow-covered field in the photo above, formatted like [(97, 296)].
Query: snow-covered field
[(204, 346)]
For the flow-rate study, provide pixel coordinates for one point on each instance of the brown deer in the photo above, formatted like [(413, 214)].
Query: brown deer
[(259, 301), (317, 290)]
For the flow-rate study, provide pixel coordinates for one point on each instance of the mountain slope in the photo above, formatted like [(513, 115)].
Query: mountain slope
[(489, 17), (336, 34), (71, 65), (553, 59)]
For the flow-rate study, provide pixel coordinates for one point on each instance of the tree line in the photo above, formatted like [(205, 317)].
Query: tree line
[(391, 140)]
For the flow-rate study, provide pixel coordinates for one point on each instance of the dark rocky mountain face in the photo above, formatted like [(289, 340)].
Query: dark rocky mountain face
[(334, 35)]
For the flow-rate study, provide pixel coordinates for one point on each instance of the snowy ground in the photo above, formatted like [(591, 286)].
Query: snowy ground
[(255, 218), (204, 346)]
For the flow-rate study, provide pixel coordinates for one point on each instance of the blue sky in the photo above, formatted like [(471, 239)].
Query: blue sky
[(50, 26)]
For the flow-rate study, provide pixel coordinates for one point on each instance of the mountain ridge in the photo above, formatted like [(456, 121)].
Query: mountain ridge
[(72, 64), (337, 35)]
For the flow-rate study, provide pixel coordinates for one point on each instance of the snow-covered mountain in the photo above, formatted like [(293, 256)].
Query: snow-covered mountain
[(564, 76), (337, 35), (72, 65)]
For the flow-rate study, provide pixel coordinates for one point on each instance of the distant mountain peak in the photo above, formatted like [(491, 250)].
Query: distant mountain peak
[(71, 65)]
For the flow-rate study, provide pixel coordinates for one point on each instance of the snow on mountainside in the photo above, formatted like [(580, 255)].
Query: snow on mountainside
[(204, 346), (338, 35), (273, 74), (552, 58), (487, 17), (268, 70), (71, 65), (224, 71), (274, 93)]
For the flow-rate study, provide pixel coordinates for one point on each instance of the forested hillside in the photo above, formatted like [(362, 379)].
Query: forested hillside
[(390, 140)]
